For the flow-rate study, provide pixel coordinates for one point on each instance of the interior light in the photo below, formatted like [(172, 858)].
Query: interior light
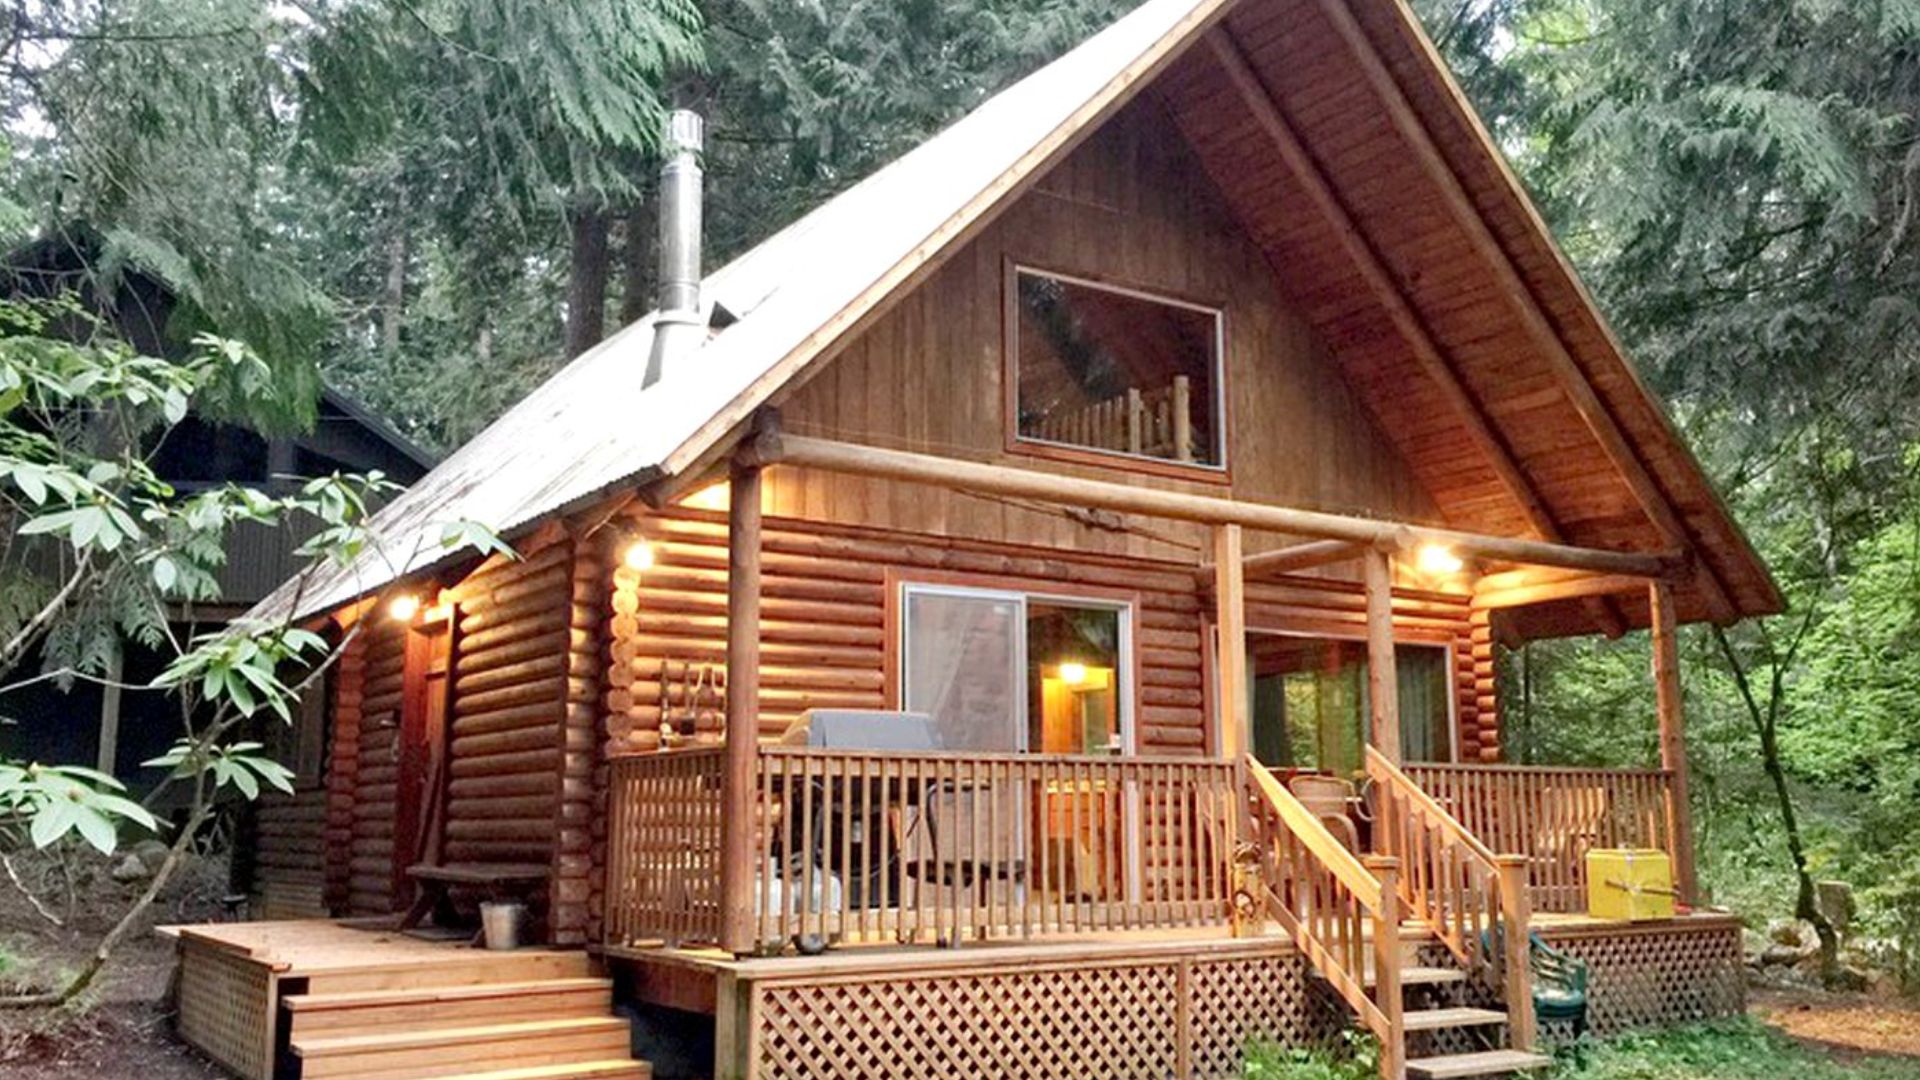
[(639, 556), (1438, 559), (1073, 674), (404, 607)]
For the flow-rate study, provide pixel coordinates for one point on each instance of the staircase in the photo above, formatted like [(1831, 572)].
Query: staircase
[(1345, 916), (544, 1019)]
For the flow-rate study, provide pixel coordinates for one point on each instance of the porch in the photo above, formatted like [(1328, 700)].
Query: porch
[(870, 856)]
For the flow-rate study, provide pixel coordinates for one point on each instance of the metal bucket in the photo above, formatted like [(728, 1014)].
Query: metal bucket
[(501, 923)]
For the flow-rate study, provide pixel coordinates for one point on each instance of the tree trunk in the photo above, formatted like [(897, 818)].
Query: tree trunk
[(393, 298), (1805, 902), (586, 280), (637, 257)]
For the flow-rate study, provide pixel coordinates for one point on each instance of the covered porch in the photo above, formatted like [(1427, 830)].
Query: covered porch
[(730, 859)]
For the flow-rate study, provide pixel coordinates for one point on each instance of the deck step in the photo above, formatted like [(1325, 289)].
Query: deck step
[(460, 1050), (367, 1012), (361, 999), (1422, 976), (1430, 1019), (610, 1069), (1484, 1063)]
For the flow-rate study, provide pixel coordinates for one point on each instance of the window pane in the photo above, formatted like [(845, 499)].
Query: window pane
[(963, 668), (1311, 703), (1116, 371), (1073, 678)]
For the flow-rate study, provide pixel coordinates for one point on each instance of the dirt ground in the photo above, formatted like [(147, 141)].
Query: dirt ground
[(1848, 1023), (122, 1029)]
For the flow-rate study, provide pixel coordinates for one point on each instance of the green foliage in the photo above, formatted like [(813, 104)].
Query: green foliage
[(1357, 1057), (1742, 1049), (239, 765), (55, 800)]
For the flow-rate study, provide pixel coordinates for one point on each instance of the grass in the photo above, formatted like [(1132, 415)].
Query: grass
[(1739, 1049)]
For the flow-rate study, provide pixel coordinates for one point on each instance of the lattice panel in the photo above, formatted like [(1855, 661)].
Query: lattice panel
[(1089, 1022), (1259, 999), (1658, 975), (224, 1008)]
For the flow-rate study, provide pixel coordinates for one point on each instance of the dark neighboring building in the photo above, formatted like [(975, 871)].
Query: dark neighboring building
[(116, 730)]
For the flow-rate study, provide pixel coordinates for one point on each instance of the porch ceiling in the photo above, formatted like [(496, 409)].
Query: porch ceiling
[(1509, 447)]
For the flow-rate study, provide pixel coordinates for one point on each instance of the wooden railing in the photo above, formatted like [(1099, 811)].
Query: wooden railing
[(876, 846), (1458, 886), (1554, 816), (1156, 423), (663, 847), (1343, 915)]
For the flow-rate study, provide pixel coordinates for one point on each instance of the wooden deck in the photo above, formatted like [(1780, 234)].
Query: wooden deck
[(1188, 999), (313, 998)]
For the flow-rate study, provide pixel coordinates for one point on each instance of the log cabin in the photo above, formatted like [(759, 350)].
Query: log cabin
[(1038, 615)]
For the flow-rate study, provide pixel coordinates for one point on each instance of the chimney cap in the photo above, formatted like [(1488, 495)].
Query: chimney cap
[(685, 131)]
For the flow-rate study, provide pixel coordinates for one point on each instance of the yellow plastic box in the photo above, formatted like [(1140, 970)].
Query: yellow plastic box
[(1629, 883)]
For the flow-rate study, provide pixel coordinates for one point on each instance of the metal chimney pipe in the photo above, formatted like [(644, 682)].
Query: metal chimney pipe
[(678, 327)]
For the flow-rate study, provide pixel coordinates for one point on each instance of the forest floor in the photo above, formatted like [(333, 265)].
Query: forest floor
[(122, 1027)]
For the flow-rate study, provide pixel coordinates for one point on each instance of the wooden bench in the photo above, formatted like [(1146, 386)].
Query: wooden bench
[(502, 881)]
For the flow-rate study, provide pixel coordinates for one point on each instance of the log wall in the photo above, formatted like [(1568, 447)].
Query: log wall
[(343, 763), (825, 633), (376, 770), (289, 864)]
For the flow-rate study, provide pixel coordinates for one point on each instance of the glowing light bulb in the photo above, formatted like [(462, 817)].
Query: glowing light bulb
[(639, 556), (1073, 674), (404, 607), (1436, 559)]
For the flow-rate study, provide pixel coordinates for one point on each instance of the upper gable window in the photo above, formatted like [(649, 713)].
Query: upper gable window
[(1113, 370)]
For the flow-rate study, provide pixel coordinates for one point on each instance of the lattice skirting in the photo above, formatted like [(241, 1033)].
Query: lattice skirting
[(1657, 974), (1139, 1017), (224, 1008)]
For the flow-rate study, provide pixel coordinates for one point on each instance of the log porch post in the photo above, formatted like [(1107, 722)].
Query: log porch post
[(1673, 734), (1383, 680), (1230, 621), (738, 819)]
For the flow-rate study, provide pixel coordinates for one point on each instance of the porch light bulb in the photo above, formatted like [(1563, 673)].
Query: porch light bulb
[(639, 556), (404, 607), (1073, 674), (1435, 559)]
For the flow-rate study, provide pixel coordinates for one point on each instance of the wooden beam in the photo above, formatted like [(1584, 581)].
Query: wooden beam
[(1673, 735), (1383, 679), (1233, 726), (1584, 587), (743, 710), (1580, 393), (1305, 556), (1412, 326), (957, 475)]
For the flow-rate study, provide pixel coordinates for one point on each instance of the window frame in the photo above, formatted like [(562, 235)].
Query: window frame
[(1446, 650), (1127, 604), (1219, 472)]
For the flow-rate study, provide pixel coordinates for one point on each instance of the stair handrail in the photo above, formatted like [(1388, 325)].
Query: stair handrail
[(1451, 880), (1322, 894)]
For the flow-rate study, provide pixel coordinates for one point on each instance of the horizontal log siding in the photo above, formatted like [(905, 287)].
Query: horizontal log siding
[(823, 614), (290, 838), (578, 737), (343, 770), (1301, 605), (514, 671), (370, 850)]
